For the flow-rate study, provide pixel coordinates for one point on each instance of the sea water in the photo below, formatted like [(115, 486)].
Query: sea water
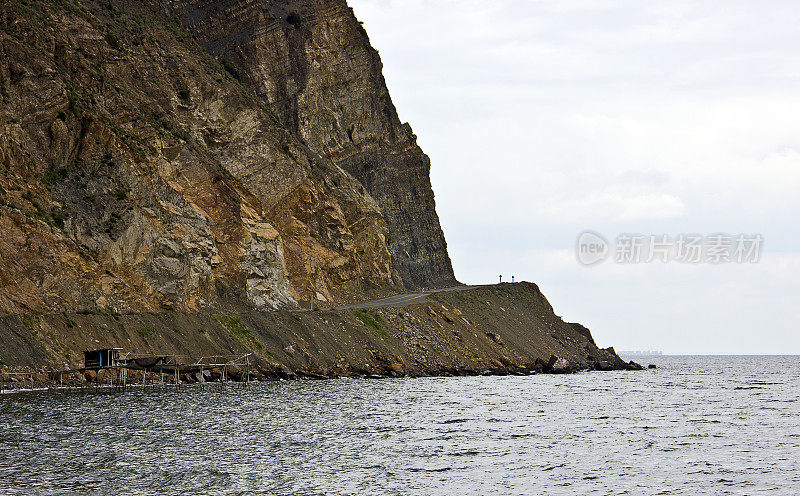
[(694, 425)]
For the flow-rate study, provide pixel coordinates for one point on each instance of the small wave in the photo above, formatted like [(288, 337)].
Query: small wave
[(465, 453), (430, 470)]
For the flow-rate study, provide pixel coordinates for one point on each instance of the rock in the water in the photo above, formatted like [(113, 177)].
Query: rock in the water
[(395, 367), (285, 373), (233, 372), (604, 366), (558, 365)]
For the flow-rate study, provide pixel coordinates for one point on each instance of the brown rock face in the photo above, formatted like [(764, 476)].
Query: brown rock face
[(313, 63), (137, 174)]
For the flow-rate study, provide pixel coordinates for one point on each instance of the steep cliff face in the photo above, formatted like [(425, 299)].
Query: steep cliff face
[(139, 175), (313, 63)]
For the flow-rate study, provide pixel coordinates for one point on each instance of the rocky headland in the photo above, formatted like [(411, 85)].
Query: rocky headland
[(187, 176)]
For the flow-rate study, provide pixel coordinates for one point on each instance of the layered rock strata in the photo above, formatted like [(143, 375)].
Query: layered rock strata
[(139, 174), (313, 63)]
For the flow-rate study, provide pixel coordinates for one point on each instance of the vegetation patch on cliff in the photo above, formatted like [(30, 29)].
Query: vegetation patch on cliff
[(240, 331), (372, 320), (146, 330)]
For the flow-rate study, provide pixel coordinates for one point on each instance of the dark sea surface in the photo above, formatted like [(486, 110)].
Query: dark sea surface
[(695, 425)]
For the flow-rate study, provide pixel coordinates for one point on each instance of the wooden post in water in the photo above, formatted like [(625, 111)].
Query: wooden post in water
[(175, 371)]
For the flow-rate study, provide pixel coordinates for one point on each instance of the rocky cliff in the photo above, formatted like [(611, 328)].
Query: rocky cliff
[(313, 63), (144, 172)]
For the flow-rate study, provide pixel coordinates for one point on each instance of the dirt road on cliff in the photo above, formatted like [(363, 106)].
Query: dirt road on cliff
[(403, 299)]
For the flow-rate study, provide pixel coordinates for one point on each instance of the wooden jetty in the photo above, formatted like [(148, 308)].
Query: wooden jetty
[(111, 368)]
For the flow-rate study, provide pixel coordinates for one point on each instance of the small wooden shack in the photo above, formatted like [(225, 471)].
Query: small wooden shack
[(97, 359)]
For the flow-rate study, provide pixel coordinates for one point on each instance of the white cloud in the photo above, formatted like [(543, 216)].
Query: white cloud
[(616, 115), (618, 207)]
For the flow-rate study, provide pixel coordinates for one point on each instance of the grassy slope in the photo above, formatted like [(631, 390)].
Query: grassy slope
[(501, 328)]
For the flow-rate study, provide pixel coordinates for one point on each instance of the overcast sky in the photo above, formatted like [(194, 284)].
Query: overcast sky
[(546, 118)]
